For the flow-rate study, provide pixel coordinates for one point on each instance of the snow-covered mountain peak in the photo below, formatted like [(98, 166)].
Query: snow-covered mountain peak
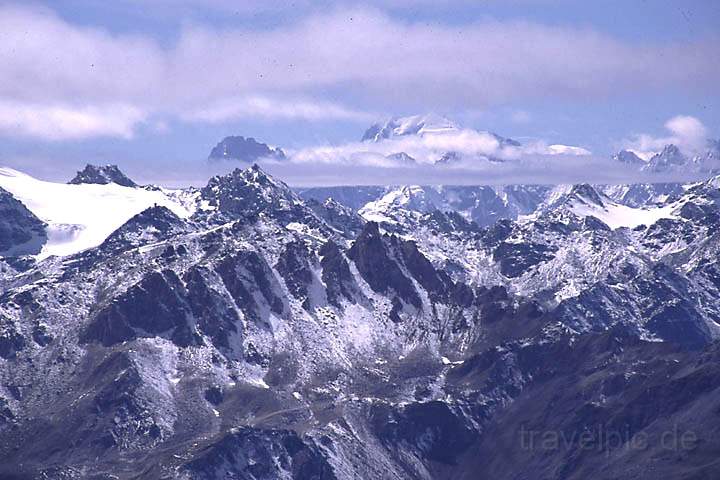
[(102, 175), (412, 125), (245, 192), (252, 176)]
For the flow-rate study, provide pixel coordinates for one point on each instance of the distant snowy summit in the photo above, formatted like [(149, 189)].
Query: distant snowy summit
[(460, 142), (423, 125), (102, 175), (244, 150), (413, 125)]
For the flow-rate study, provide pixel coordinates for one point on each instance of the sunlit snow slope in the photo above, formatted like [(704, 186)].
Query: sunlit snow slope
[(79, 217)]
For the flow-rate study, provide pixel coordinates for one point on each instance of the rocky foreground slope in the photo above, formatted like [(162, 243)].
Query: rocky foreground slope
[(262, 336)]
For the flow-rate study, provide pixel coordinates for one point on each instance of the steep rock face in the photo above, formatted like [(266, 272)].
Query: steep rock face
[(155, 306), (374, 260), (214, 314), (128, 423), (449, 222), (396, 267), (336, 275), (21, 232), (297, 264), (435, 282), (433, 431), (244, 149), (252, 285), (102, 175), (515, 259)]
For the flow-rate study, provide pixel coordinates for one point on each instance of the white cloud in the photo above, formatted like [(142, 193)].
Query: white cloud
[(686, 132), (689, 131), (474, 148), (371, 169), (265, 107), (359, 56), (62, 122)]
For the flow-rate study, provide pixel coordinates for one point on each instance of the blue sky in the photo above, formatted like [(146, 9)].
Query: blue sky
[(153, 85)]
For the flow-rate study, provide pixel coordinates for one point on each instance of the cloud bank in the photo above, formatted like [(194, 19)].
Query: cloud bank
[(54, 70), (67, 122), (264, 107), (468, 148), (686, 132)]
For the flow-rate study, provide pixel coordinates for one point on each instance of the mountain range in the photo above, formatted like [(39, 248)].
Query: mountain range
[(250, 330)]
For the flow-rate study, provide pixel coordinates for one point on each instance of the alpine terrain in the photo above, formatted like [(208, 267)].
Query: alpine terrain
[(248, 330), (374, 240)]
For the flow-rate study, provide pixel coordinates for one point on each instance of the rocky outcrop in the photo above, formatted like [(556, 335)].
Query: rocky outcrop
[(21, 232), (102, 175), (261, 454)]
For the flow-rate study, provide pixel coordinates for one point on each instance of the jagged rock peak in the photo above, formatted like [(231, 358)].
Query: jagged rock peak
[(668, 159), (244, 149), (587, 194), (247, 192), (102, 175), (253, 175)]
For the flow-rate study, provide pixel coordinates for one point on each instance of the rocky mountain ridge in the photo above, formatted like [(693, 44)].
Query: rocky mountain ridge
[(262, 335)]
